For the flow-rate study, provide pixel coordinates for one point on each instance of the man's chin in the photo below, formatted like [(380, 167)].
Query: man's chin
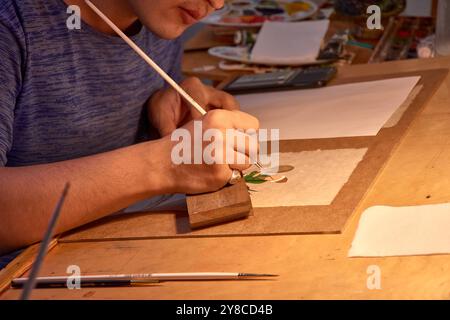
[(168, 33)]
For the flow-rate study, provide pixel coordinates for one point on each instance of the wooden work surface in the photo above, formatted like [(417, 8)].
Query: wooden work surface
[(310, 266), (284, 220)]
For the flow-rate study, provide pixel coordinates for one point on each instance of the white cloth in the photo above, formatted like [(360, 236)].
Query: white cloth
[(403, 231)]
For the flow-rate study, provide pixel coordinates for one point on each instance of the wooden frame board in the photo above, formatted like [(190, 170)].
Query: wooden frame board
[(286, 220)]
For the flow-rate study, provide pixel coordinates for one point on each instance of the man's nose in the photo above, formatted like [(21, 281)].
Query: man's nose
[(217, 4)]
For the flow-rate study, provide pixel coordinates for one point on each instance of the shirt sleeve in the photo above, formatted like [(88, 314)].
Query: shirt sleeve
[(11, 58)]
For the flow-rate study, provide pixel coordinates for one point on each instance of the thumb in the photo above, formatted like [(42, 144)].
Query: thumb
[(167, 128), (167, 113)]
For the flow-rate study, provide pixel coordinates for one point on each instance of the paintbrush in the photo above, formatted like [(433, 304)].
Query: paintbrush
[(31, 281), (138, 279), (146, 58)]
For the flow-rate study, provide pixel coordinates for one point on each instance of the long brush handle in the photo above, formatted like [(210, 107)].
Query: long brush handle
[(147, 59)]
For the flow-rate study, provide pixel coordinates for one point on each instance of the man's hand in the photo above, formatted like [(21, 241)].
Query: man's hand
[(200, 178), (168, 111)]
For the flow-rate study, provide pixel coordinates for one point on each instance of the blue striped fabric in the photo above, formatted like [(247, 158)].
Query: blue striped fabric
[(66, 94)]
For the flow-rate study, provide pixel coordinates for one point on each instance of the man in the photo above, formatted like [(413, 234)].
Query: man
[(80, 106)]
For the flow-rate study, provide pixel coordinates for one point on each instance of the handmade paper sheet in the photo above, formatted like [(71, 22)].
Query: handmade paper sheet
[(316, 179), (403, 231), (350, 110)]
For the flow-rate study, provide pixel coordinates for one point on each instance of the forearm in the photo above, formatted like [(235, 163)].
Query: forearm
[(100, 185)]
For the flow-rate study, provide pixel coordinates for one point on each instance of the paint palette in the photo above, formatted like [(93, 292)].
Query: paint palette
[(253, 13)]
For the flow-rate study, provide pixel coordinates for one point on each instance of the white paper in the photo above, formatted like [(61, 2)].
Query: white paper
[(403, 231), (317, 178), (351, 110), (293, 42)]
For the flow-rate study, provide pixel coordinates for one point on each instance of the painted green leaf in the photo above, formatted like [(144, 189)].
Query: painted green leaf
[(255, 178)]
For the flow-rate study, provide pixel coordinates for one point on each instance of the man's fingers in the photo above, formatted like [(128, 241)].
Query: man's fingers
[(208, 97), (244, 121), (243, 162), (243, 143), (240, 167), (239, 132), (218, 99), (196, 90), (231, 120)]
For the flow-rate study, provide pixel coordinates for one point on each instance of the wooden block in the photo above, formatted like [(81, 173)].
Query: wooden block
[(230, 203)]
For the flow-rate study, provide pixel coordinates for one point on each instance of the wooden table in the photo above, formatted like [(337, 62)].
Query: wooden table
[(310, 266)]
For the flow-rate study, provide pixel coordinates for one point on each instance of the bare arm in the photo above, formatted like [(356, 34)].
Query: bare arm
[(105, 183), (100, 185)]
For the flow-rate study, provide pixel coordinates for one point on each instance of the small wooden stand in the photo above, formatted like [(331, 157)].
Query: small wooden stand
[(228, 204)]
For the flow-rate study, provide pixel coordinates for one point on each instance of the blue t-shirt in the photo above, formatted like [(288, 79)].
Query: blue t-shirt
[(66, 94)]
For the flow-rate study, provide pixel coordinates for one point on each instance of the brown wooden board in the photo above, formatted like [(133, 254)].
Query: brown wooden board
[(228, 204), (21, 264), (285, 220)]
